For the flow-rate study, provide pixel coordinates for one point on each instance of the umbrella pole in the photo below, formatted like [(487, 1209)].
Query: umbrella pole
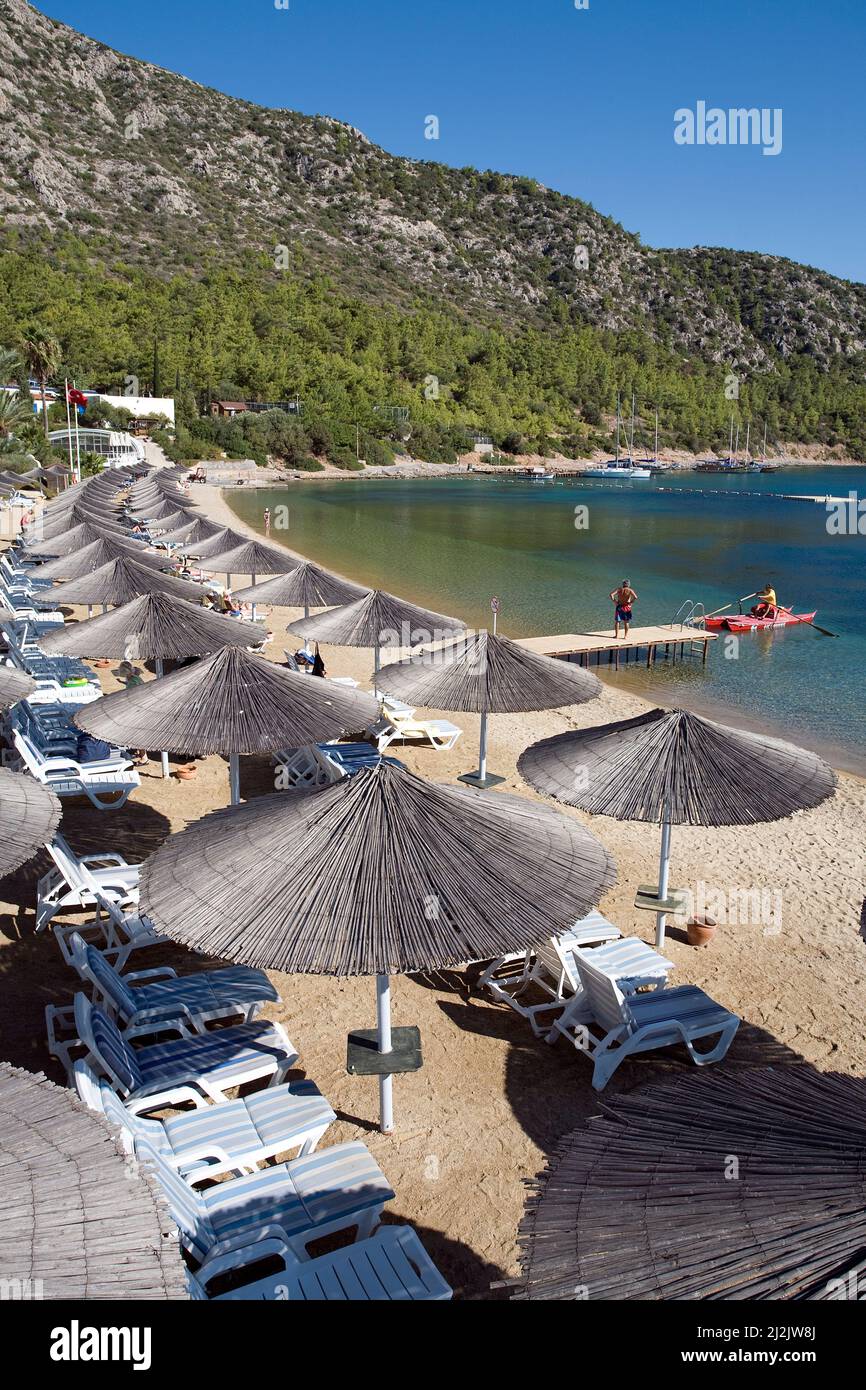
[(235, 778), (482, 748), (254, 597), (664, 873), (163, 756), (377, 666), (383, 1027)]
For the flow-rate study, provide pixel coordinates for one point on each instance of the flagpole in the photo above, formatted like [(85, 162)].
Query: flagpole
[(77, 447), (68, 425)]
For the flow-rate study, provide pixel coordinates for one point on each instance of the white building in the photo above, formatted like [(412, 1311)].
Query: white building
[(116, 447)]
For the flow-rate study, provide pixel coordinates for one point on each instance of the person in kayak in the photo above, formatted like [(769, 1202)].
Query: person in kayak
[(623, 597), (767, 605)]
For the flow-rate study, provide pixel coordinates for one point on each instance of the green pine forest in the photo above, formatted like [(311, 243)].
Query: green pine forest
[(250, 331)]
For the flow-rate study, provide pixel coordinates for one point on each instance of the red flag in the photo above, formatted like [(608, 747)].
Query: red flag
[(75, 397)]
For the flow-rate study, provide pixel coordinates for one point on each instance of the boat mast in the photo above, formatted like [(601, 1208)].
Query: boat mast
[(731, 441), (656, 454), (764, 445), (631, 436), (617, 426), (748, 432), (737, 445)]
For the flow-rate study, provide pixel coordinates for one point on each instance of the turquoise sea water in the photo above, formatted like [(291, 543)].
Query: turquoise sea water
[(452, 543)]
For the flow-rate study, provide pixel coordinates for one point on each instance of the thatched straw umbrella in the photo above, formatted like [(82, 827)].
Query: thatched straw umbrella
[(153, 627), (15, 685), (171, 518), (378, 874), (487, 674), (378, 620), (118, 582), (29, 816), (6, 616), (746, 1185), (79, 1218), (190, 534), (232, 702), (305, 586), (675, 768), (225, 539), (76, 564), (251, 558), (65, 542), (57, 525)]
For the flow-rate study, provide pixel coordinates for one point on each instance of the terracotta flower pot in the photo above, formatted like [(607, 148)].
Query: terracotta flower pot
[(700, 930), (183, 774)]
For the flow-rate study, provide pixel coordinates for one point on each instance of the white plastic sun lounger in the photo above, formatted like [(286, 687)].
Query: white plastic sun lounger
[(171, 1003), (195, 1070), (80, 881), (117, 934), (441, 734), (391, 1266), (231, 1138), (106, 783), (334, 1189), (547, 965), (623, 1026)]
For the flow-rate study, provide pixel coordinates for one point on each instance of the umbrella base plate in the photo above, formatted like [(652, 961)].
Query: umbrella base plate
[(363, 1057), (472, 779), (648, 899)]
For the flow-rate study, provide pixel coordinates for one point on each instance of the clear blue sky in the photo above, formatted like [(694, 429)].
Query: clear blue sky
[(582, 100)]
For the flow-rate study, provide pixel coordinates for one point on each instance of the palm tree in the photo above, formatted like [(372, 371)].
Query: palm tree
[(41, 354), (14, 405)]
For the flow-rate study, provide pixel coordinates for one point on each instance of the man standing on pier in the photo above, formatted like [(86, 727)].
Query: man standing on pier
[(623, 598)]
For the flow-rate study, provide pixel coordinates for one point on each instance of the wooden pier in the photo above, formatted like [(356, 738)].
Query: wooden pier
[(648, 644)]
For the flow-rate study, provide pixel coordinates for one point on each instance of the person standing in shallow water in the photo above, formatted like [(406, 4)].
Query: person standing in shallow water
[(623, 598), (267, 521)]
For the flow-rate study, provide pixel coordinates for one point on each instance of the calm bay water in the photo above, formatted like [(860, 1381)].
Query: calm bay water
[(452, 543)]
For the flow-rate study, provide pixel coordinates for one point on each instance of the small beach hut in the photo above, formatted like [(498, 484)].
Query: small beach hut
[(232, 702), (382, 873), (670, 767), (486, 674), (733, 1185)]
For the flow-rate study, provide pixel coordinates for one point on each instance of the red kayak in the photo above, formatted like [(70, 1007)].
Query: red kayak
[(747, 622)]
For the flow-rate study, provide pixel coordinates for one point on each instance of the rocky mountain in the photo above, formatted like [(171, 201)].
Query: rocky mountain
[(176, 176)]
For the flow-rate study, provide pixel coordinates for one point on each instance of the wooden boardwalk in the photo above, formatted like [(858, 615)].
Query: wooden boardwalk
[(592, 648)]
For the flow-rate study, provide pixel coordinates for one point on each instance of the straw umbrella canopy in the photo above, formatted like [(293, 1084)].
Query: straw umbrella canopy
[(75, 564), (232, 702), (377, 874), (57, 525), (175, 516), (252, 558), (378, 620), (65, 542), (225, 539), (674, 768), (636, 1206), (117, 583), (154, 627), (190, 533), (15, 685), (170, 508), (484, 673), (306, 586), (6, 616), (79, 1218), (29, 816)]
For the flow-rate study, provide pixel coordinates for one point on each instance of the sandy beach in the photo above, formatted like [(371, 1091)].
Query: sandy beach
[(491, 1102)]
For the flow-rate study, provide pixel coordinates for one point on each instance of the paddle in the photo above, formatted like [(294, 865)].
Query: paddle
[(809, 622), (717, 610)]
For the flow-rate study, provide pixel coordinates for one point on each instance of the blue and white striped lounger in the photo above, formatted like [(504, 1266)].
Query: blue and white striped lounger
[(296, 1202), (182, 1004), (391, 1266), (234, 1137), (643, 1022), (193, 1069)]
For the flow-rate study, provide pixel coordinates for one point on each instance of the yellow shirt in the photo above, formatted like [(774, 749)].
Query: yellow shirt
[(768, 596)]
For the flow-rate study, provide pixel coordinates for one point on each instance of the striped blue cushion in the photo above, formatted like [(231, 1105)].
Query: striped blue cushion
[(122, 1062), (112, 985), (331, 1178), (236, 1051), (690, 1005)]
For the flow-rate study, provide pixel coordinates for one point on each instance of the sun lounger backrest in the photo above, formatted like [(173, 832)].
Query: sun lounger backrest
[(557, 962), (605, 999), (189, 1213), (70, 867), (103, 1038), (92, 965)]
